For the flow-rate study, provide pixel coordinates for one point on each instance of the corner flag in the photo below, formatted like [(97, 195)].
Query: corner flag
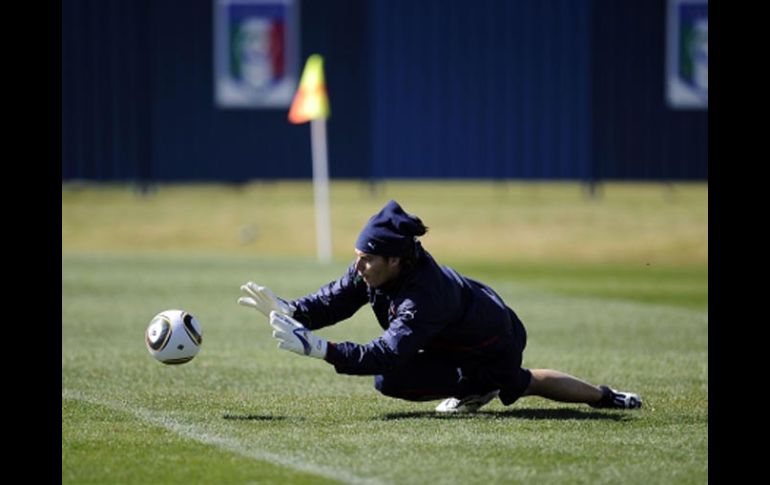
[(311, 104), (310, 101)]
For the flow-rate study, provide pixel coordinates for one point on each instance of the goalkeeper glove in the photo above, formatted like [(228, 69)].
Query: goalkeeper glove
[(293, 336), (264, 300)]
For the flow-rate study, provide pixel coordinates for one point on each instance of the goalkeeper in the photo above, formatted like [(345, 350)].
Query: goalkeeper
[(445, 336)]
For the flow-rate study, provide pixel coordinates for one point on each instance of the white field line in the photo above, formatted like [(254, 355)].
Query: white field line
[(223, 442)]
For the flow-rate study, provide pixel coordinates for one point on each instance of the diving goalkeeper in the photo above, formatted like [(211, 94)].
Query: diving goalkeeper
[(445, 336)]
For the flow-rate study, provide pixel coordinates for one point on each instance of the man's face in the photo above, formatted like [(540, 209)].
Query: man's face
[(376, 270)]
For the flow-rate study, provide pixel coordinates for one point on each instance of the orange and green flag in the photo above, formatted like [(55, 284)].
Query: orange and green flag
[(310, 101)]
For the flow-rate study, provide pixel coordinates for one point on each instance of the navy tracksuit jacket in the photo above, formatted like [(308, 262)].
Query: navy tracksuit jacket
[(444, 334)]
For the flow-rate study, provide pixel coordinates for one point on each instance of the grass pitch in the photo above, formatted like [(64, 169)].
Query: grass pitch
[(245, 412)]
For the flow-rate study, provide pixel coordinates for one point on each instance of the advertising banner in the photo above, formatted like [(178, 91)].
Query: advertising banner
[(687, 54), (256, 49)]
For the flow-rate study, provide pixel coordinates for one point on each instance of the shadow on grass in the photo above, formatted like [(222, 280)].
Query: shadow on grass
[(253, 417), (532, 414)]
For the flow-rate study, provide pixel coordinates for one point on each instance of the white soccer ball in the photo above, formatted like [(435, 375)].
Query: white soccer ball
[(173, 337)]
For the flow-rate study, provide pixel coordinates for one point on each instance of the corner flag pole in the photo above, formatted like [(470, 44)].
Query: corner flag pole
[(311, 103), (321, 190)]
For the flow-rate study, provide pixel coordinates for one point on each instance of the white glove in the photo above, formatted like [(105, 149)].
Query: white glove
[(264, 300), (293, 336)]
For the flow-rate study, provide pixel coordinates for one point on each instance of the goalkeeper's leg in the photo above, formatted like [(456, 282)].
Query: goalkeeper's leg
[(558, 386)]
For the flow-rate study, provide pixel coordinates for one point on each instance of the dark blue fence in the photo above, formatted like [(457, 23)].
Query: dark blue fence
[(567, 89), (464, 91), (635, 135)]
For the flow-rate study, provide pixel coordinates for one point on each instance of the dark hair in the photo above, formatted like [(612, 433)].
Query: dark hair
[(410, 256)]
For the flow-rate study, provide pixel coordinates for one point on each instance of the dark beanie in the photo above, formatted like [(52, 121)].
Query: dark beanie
[(390, 231)]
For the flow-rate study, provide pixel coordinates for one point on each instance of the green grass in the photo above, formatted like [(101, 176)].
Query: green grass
[(245, 412), (664, 284), (479, 221)]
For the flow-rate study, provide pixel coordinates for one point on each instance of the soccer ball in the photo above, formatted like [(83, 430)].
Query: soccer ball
[(173, 337)]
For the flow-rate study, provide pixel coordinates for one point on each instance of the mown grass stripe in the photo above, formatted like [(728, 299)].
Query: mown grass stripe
[(222, 442)]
